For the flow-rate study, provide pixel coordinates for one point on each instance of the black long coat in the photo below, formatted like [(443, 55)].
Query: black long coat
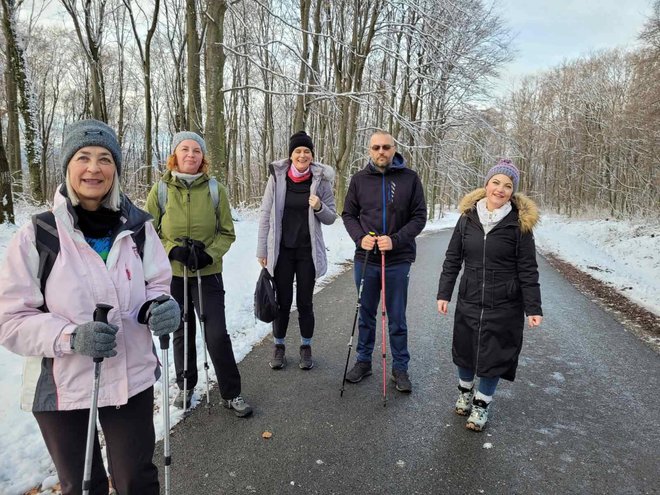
[(500, 283)]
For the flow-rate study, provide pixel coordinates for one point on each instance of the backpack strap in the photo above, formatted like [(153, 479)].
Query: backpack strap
[(213, 190), (162, 196), (271, 170), (48, 246)]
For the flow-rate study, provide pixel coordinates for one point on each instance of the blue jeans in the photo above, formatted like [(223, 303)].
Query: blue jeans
[(487, 386), (396, 300)]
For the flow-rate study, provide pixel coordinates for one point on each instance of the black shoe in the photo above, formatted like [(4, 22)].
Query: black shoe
[(359, 371), (178, 400), (279, 359), (401, 381), (306, 362)]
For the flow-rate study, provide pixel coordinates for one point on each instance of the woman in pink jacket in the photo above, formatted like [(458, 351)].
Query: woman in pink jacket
[(99, 261)]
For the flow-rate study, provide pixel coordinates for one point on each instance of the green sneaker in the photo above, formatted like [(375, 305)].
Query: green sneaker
[(478, 416), (464, 402)]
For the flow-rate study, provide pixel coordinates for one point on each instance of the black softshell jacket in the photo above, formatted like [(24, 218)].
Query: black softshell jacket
[(390, 203)]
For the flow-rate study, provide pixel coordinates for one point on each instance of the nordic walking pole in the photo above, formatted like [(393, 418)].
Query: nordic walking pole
[(358, 304), (164, 346), (100, 314), (185, 338), (383, 312), (202, 324), (186, 242)]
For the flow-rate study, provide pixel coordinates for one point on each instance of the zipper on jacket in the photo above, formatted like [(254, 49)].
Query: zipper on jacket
[(483, 300), (384, 231), (188, 209)]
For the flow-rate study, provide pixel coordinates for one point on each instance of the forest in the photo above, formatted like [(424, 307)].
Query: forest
[(246, 74)]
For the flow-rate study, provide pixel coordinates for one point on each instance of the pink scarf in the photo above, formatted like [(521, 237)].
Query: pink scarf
[(296, 176)]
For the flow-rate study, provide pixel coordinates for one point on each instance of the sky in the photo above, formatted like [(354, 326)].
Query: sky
[(622, 254), (548, 32)]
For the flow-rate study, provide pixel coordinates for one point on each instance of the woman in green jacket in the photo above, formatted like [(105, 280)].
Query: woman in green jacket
[(194, 223)]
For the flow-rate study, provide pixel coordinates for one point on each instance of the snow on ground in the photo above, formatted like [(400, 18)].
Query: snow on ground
[(621, 253)]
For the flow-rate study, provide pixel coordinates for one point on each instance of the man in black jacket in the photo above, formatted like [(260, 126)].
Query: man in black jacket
[(384, 208)]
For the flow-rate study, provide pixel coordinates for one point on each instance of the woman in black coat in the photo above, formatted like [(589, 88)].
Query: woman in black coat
[(500, 284)]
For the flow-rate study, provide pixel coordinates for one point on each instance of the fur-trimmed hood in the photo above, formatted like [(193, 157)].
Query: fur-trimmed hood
[(528, 212)]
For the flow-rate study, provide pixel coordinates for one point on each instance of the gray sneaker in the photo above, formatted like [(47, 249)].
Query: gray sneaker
[(359, 371), (478, 416), (306, 362), (241, 408), (178, 400), (401, 381), (464, 402), (278, 360)]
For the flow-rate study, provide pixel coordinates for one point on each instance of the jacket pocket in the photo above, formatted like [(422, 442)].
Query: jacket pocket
[(505, 292), (469, 289)]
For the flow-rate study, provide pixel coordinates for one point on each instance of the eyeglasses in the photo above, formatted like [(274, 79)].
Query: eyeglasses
[(386, 147)]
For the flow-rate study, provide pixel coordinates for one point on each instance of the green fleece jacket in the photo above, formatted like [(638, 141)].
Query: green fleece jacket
[(189, 213)]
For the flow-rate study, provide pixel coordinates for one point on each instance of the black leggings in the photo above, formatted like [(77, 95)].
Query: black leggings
[(296, 262), (217, 339), (129, 437)]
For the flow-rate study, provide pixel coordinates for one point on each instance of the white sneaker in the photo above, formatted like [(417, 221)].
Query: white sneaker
[(464, 402), (478, 416)]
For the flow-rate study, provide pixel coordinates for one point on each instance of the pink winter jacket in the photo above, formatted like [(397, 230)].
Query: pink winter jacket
[(54, 377)]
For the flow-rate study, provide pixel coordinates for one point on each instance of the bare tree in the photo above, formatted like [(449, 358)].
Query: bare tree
[(145, 57), (19, 70), (193, 69), (214, 70), (6, 198), (92, 42)]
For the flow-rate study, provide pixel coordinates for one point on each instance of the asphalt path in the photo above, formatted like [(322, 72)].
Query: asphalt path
[(582, 417)]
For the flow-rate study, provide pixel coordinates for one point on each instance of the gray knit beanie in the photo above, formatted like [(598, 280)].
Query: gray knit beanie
[(506, 167), (89, 133), (183, 135)]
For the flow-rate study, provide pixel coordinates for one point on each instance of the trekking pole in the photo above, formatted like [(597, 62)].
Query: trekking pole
[(186, 242), (358, 304), (164, 346), (100, 314), (383, 313), (202, 324)]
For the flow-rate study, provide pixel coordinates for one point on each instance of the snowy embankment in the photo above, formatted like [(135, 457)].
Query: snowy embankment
[(619, 253)]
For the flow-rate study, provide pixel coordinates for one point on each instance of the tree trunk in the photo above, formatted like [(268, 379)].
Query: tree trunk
[(301, 100), (6, 199), (215, 103), (18, 64), (193, 69), (13, 131)]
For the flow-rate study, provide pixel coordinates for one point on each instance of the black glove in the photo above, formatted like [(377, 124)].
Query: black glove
[(198, 257), (95, 339), (180, 254)]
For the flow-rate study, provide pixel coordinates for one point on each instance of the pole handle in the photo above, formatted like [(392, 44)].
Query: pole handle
[(101, 314), (165, 339)]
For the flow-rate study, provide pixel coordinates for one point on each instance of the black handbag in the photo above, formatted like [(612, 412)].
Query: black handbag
[(265, 298)]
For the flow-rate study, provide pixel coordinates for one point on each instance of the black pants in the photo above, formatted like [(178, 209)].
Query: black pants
[(296, 262), (129, 436), (217, 338)]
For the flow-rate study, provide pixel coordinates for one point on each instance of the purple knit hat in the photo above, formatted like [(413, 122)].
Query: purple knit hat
[(506, 167)]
